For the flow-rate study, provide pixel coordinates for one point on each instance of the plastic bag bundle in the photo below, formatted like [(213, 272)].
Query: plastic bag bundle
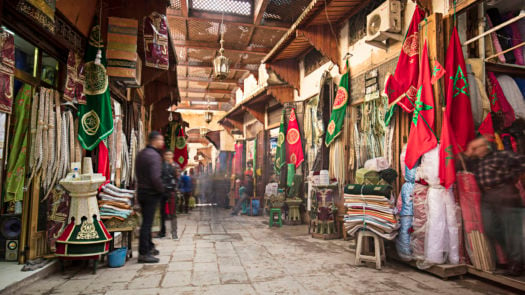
[(419, 223), (442, 238), (403, 239), (405, 212)]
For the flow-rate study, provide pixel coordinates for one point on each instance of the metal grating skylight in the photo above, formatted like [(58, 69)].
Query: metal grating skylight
[(241, 7)]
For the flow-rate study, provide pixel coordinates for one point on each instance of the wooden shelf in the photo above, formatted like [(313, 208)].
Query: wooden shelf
[(509, 69)]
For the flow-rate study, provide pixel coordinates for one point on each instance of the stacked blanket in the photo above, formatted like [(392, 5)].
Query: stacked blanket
[(115, 202), (372, 212)]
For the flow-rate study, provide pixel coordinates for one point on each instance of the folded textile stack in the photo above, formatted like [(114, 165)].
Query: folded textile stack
[(115, 202), (369, 211)]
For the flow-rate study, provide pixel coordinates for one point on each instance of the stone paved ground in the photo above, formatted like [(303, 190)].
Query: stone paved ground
[(220, 254)]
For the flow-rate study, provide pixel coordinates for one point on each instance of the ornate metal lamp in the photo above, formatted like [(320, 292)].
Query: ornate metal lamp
[(208, 115), (221, 64)]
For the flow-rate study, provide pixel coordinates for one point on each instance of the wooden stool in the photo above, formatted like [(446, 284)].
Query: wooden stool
[(379, 249), (279, 220)]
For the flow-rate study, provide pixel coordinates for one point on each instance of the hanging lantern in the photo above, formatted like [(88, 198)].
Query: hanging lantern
[(221, 64), (208, 116)]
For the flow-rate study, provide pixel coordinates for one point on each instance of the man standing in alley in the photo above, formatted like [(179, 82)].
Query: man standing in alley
[(497, 173), (150, 190), (185, 187), (168, 178)]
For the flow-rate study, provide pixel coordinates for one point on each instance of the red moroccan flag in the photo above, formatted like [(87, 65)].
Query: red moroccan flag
[(487, 128), (458, 108), (437, 72), (447, 151), (405, 78), (294, 146), (180, 152), (421, 138), (458, 126)]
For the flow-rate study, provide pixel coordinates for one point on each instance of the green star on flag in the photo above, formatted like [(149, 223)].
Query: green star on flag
[(437, 73), (420, 106), (460, 76)]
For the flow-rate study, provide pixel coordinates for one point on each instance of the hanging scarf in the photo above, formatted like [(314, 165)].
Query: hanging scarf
[(7, 71), (156, 45), (16, 164)]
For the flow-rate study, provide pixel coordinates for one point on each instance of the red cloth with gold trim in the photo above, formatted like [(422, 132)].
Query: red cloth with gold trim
[(180, 152), (294, 146), (7, 71), (405, 78)]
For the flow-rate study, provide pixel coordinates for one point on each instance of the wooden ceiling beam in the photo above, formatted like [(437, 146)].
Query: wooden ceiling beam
[(184, 8), (228, 19), (193, 79), (259, 9), (216, 46), (205, 90), (209, 66)]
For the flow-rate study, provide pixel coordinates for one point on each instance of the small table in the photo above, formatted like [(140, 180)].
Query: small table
[(126, 227)]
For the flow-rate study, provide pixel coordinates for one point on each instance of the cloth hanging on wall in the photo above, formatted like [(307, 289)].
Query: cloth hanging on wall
[(504, 34), (294, 146), (103, 160), (57, 215), (337, 117), (280, 153), (421, 138), (16, 163), (498, 101), (42, 11), (513, 95), (122, 48), (74, 90), (180, 152), (96, 120), (156, 47), (7, 71), (405, 78)]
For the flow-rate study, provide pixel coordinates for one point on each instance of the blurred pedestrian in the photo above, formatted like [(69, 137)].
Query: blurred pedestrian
[(150, 189), (186, 187), (168, 178)]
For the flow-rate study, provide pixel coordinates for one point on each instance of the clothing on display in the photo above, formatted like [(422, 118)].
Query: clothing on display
[(156, 46), (7, 70)]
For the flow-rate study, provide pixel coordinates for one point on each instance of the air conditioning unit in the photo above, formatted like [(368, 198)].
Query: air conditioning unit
[(384, 23)]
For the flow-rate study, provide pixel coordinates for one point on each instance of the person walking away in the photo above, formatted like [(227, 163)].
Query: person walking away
[(185, 186), (497, 173), (173, 205), (246, 191), (150, 188), (168, 179)]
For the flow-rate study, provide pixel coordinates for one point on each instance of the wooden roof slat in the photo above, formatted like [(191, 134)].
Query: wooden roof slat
[(232, 21), (216, 46)]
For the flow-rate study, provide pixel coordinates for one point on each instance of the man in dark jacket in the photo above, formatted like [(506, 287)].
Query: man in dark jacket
[(148, 169)]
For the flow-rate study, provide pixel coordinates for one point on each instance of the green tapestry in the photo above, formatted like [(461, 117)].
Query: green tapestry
[(280, 154), (337, 118), (96, 120), (16, 164)]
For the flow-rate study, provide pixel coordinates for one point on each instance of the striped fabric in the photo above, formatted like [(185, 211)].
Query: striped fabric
[(122, 48)]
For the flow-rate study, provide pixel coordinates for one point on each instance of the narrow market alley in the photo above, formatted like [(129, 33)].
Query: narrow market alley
[(220, 254)]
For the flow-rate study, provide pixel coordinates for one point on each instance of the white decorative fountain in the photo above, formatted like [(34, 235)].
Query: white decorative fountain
[(85, 237)]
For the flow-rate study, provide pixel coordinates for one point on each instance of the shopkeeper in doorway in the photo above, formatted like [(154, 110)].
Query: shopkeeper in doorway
[(497, 173), (150, 190)]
